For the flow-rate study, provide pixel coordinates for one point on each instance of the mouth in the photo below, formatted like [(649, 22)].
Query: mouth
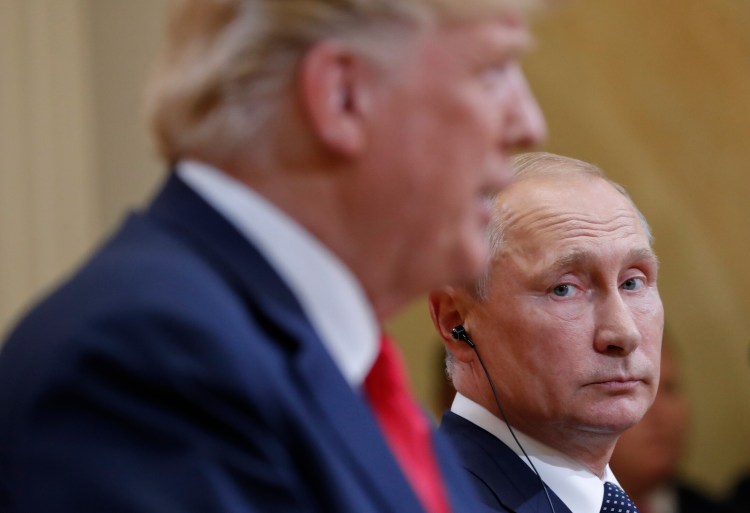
[(618, 384)]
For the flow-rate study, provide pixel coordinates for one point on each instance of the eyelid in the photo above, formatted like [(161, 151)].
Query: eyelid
[(641, 278), (646, 272), (648, 267), (575, 288)]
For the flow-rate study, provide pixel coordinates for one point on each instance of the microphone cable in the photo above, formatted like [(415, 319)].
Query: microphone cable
[(459, 333)]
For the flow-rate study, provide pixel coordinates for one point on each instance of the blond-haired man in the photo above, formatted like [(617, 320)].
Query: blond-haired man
[(330, 161)]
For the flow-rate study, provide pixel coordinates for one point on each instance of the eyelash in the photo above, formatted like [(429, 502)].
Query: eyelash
[(641, 281), (554, 289)]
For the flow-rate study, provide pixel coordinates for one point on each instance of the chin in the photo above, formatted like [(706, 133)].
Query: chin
[(614, 428), (615, 420)]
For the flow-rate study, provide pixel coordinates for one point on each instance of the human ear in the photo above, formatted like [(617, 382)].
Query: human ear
[(332, 89), (448, 309)]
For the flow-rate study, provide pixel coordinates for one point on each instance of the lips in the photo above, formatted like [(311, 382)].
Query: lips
[(618, 384)]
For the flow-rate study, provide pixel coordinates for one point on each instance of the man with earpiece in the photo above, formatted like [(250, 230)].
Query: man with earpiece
[(555, 351)]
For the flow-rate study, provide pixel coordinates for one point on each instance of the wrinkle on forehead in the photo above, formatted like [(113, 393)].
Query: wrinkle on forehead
[(542, 217), (623, 221)]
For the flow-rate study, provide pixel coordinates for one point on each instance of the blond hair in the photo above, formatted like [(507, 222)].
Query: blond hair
[(228, 64)]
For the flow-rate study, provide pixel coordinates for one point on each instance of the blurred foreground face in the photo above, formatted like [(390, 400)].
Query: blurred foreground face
[(573, 314), (647, 455), (448, 117)]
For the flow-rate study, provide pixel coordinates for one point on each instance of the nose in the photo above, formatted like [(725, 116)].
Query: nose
[(526, 127), (617, 332)]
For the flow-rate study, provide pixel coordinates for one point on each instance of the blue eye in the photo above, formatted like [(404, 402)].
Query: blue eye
[(563, 290), (632, 284)]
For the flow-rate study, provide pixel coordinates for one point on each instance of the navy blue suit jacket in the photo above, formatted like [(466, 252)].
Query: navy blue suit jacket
[(176, 373), (504, 482)]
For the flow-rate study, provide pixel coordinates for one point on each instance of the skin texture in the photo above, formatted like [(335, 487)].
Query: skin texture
[(571, 327), (389, 163)]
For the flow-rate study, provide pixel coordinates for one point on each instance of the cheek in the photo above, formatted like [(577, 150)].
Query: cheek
[(466, 130), (651, 327), (549, 343), (649, 317), (438, 164), (568, 314), (650, 309), (564, 353), (565, 331)]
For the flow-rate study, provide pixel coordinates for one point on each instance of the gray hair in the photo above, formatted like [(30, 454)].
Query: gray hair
[(536, 164), (526, 166), (228, 65)]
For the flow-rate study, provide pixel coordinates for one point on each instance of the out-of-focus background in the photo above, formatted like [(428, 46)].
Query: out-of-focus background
[(656, 92)]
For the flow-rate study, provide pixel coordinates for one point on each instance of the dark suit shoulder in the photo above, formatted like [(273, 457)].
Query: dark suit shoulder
[(150, 359), (502, 479)]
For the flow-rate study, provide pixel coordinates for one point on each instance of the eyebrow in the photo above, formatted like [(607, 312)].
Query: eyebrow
[(579, 258), (636, 255)]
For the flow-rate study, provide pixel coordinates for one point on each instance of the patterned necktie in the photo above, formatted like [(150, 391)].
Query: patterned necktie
[(616, 500), (405, 427)]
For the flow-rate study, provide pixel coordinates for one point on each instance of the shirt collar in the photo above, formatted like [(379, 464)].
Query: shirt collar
[(328, 292), (580, 489)]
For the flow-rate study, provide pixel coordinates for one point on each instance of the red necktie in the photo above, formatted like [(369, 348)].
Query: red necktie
[(405, 427)]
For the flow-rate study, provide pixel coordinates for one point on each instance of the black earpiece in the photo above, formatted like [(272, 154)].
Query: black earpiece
[(459, 333)]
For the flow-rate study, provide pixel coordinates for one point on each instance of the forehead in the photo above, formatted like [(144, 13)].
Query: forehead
[(504, 36), (551, 215)]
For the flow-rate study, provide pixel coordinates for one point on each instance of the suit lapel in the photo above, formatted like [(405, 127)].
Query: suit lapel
[(462, 496), (338, 409), (512, 482)]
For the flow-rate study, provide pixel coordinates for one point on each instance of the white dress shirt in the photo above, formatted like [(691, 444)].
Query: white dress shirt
[(329, 293), (580, 489)]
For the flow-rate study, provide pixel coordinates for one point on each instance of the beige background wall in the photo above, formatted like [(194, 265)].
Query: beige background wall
[(73, 152), (657, 92)]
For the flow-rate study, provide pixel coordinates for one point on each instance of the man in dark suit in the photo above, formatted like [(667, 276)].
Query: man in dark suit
[(555, 351), (330, 161)]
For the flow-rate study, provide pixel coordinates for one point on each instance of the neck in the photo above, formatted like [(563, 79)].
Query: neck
[(591, 450), (328, 203)]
